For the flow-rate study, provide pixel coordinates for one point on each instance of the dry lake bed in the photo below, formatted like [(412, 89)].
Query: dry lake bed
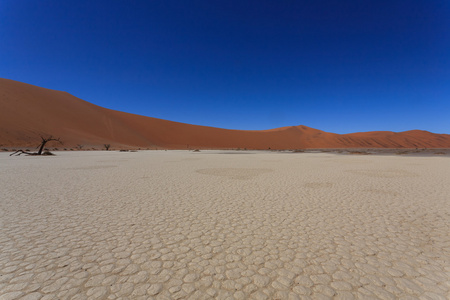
[(224, 225)]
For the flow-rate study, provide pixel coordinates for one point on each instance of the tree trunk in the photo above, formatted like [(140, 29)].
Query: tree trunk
[(42, 146)]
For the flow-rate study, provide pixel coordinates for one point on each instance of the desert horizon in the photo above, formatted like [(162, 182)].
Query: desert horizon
[(29, 112)]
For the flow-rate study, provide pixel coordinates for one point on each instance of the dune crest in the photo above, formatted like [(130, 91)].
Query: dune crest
[(27, 111)]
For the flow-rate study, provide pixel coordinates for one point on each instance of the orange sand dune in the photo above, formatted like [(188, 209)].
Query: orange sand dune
[(28, 111)]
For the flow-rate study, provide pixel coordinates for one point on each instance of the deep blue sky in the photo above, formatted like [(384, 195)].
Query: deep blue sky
[(339, 66)]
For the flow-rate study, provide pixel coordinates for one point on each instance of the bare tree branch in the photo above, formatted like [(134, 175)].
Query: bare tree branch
[(44, 140), (18, 152)]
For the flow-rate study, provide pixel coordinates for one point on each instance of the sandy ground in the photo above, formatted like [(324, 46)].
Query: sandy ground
[(224, 225)]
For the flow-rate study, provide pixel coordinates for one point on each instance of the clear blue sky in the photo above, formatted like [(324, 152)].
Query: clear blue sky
[(338, 66)]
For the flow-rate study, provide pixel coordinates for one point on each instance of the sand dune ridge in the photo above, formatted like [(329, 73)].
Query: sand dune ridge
[(27, 111)]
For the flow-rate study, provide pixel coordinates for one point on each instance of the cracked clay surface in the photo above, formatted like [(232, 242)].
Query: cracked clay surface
[(209, 225)]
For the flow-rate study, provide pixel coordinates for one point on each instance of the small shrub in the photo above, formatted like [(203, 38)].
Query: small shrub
[(47, 153), (402, 152), (359, 152)]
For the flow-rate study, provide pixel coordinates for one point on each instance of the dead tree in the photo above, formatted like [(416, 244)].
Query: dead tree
[(44, 140), (107, 146)]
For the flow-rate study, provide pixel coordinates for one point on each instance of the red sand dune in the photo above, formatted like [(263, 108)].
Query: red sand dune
[(28, 111)]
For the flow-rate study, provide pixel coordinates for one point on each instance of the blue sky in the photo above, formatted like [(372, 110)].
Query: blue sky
[(338, 66)]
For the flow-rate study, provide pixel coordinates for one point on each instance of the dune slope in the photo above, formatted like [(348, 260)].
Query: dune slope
[(28, 111)]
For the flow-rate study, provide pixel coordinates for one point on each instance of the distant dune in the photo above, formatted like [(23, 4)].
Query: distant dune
[(28, 111)]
